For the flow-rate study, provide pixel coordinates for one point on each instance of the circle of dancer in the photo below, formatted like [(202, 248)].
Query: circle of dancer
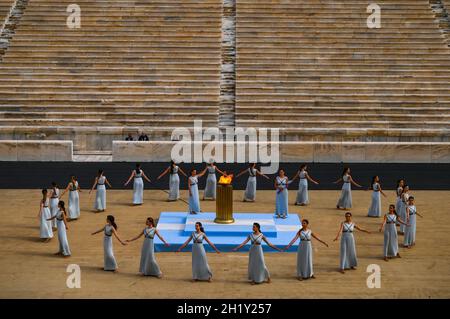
[(55, 217)]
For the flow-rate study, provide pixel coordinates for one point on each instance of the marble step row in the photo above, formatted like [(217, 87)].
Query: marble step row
[(405, 110), (243, 62), (135, 115), (241, 95), (211, 115), (111, 86), (242, 109), (212, 28), (204, 42), (285, 72), (324, 124), (107, 71), (343, 102), (363, 116), (106, 109), (71, 122), (187, 122), (351, 97), (87, 76), (280, 91), (270, 51), (325, 70), (161, 101)]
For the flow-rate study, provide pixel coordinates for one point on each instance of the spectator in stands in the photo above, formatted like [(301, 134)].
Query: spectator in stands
[(129, 137), (143, 137)]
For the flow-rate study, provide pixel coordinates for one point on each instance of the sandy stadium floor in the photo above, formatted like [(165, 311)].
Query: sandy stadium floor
[(30, 270)]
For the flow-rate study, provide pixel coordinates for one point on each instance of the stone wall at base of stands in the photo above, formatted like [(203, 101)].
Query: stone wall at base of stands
[(43, 151), (319, 152)]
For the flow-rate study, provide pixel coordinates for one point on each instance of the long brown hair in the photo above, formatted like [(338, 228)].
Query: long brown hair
[(151, 221), (61, 205), (392, 206), (345, 170), (201, 226), (110, 218)]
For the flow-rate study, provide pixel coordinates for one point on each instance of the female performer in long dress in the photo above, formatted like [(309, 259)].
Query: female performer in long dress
[(109, 230), (348, 258), (211, 181), (409, 239), (305, 252), (61, 219), (138, 184), (375, 206), (200, 267), (399, 191), (174, 180), (390, 247), (74, 198), (302, 193), (54, 199), (345, 201), (257, 270), (46, 232), (194, 198), (250, 190), (282, 195), (100, 196), (402, 210), (148, 265)]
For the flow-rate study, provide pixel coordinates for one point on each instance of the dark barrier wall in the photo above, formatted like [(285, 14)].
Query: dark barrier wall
[(28, 175)]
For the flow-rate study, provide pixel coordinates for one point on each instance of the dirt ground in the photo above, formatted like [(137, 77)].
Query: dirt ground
[(30, 270)]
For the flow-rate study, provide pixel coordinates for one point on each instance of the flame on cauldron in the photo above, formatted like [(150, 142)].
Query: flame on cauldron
[(226, 179)]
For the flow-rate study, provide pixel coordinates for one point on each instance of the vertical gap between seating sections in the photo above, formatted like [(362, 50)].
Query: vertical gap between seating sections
[(227, 98), (10, 23), (441, 12)]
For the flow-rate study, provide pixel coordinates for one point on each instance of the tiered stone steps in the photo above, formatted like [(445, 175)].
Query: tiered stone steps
[(311, 68), (146, 64), (314, 69)]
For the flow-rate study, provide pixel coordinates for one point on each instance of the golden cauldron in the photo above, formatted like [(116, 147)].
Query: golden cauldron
[(224, 200)]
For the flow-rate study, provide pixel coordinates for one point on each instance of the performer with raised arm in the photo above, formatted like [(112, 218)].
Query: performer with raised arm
[(305, 252), (257, 270), (250, 190), (409, 239), (174, 180), (375, 206), (200, 268), (390, 247), (402, 210), (109, 230), (100, 196), (302, 193), (281, 195), (138, 185), (194, 198), (345, 201), (348, 258), (61, 218), (148, 265), (211, 181), (74, 198)]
